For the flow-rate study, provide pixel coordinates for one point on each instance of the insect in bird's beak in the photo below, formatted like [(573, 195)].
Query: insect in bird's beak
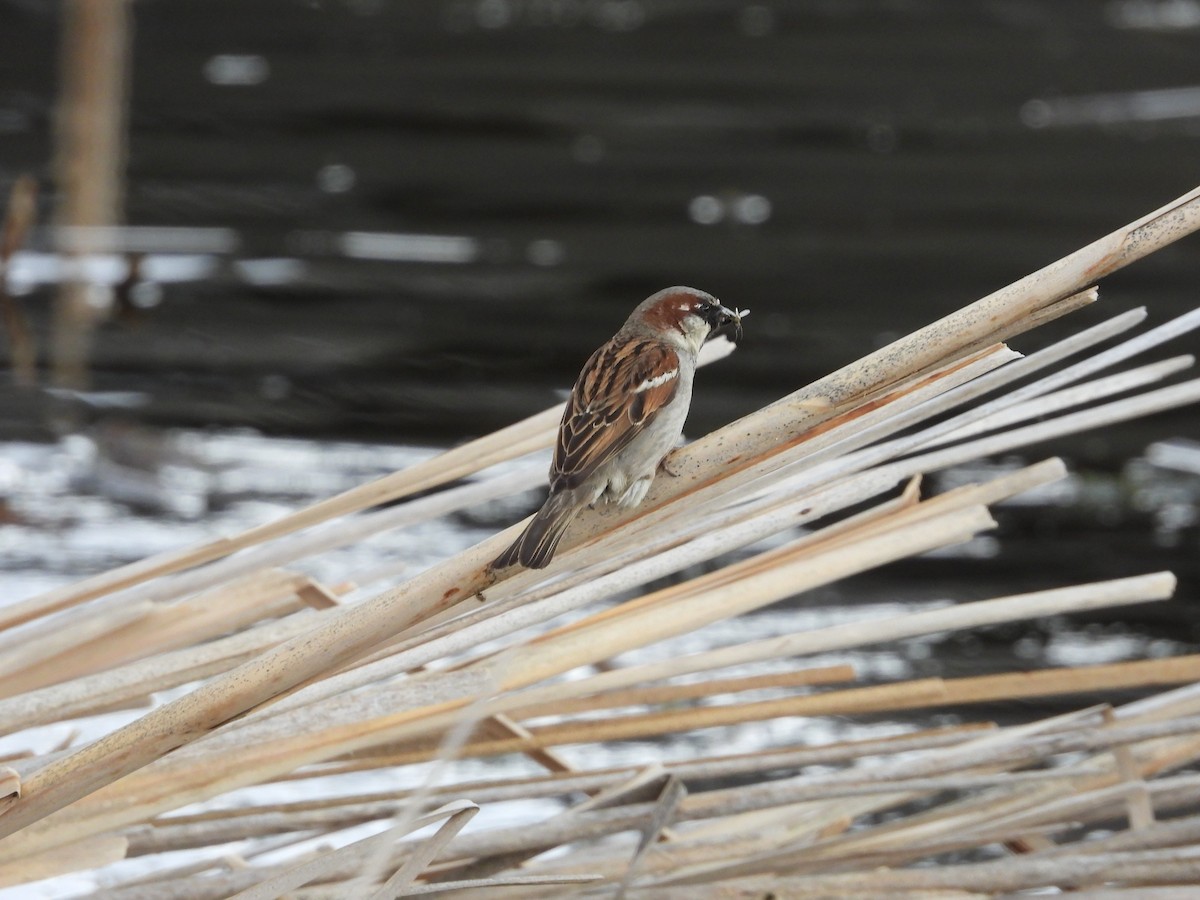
[(738, 315), (727, 316)]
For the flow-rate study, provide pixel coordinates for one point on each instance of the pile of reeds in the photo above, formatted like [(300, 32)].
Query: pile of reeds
[(275, 681)]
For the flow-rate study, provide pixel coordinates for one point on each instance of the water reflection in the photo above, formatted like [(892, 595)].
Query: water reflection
[(185, 255), (1123, 108), (121, 492), (234, 69)]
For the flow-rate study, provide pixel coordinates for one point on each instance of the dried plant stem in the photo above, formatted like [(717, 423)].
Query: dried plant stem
[(923, 694), (90, 853), (19, 218)]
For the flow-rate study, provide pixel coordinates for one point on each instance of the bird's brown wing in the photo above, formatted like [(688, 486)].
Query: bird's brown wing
[(620, 391)]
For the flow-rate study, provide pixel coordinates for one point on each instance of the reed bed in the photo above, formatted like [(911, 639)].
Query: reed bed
[(250, 674)]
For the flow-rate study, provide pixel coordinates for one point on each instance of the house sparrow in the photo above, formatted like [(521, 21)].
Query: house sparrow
[(625, 413)]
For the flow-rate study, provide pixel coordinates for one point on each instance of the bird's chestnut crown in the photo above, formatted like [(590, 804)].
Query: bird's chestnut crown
[(694, 313)]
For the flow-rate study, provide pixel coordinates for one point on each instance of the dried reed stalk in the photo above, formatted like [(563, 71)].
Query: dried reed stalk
[(19, 218)]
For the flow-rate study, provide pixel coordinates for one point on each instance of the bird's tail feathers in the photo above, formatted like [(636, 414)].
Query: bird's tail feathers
[(535, 547)]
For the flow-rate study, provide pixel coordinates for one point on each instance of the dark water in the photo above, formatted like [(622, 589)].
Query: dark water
[(414, 221)]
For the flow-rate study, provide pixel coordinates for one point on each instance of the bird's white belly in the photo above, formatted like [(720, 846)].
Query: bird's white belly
[(639, 461)]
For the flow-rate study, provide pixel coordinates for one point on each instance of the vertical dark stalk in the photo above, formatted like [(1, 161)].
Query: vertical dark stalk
[(22, 347), (90, 167)]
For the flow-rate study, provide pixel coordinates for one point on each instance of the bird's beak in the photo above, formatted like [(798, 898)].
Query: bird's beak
[(721, 317)]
